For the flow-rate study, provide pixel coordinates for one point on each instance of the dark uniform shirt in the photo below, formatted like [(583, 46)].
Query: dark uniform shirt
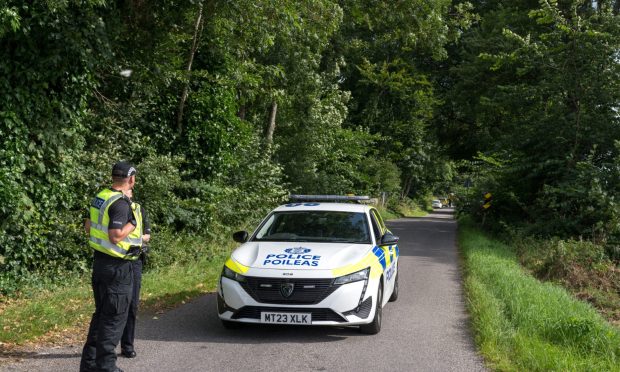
[(119, 213)]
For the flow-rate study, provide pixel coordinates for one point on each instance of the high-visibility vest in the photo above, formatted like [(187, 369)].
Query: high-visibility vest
[(99, 220), (136, 234)]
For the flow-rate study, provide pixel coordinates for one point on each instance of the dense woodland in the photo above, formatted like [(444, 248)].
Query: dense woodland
[(227, 106)]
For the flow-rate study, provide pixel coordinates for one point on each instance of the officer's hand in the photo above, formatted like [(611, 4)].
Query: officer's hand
[(146, 238)]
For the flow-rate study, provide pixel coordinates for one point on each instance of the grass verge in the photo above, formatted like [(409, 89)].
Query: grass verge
[(582, 267), (401, 210), (62, 314), (523, 324)]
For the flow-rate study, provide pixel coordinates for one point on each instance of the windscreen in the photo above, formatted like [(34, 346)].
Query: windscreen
[(315, 226)]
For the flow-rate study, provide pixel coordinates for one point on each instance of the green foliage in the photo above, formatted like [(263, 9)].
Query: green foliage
[(555, 258), (46, 78), (522, 324), (390, 50), (67, 304), (407, 207), (224, 107), (586, 203), (535, 90)]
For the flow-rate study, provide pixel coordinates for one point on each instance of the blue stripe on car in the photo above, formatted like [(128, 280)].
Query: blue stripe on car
[(380, 255)]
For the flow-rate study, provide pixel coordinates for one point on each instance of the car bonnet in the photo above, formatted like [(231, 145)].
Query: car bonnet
[(299, 256)]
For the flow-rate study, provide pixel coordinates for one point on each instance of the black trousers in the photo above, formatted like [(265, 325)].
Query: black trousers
[(112, 283), (130, 328)]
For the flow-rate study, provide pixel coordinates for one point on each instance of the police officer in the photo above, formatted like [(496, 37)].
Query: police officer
[(116, 237), (127, 346)]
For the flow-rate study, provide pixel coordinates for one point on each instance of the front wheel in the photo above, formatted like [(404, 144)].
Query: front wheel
[(375, 326), (394, 295)]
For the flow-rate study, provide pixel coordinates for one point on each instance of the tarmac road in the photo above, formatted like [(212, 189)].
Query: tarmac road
[(425, 330)]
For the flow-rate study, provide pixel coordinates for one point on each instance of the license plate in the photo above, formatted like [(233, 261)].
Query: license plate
[(286, 318)]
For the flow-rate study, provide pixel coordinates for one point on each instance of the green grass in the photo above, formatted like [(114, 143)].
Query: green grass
[(417, 213), (387, 214), (70, 305), (401, 211), (523, 324)]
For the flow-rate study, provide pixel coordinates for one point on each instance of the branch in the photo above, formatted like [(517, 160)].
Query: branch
[(197, 31)]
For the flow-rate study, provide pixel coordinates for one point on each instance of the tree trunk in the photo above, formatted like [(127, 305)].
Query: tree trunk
[(241, 112), (188, 69), (406, 187), (272, 123)]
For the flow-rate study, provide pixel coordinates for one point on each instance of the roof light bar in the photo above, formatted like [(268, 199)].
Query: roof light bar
[(329, 198)]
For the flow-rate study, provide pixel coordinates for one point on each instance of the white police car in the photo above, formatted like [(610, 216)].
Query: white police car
[(312, 263)]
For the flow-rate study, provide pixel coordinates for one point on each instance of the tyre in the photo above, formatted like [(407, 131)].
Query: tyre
[(375, 326), (394, 295)]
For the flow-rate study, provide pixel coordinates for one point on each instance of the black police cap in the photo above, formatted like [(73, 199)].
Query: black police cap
[(123, 169)]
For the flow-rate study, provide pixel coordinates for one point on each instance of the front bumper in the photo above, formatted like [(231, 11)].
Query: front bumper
[(341, 307)]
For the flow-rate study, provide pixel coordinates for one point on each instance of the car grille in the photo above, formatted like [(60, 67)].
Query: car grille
[(318, 315), (305, 291)]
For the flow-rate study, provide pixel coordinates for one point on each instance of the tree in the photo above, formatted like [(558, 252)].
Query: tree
[(389, 49), (542, 99), (49, 53)]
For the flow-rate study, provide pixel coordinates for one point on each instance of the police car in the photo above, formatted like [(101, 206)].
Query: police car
[(316, 261)]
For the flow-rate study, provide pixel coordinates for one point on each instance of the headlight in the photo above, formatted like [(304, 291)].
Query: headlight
[(228, 273), (355, 277)]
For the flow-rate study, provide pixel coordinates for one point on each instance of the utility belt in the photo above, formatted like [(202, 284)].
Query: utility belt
[(144, 254), (134, 251), (102, 256)]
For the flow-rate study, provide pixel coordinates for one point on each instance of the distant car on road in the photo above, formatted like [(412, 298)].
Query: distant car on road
[(436, 204), (312, 263), (445, 202)]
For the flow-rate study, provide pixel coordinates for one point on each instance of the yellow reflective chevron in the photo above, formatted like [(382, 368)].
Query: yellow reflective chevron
[(370, 260), (378, 260), (388, 256), (135, 237), (236, 266)]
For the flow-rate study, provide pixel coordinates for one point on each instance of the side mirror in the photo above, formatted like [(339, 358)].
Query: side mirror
[(389, 239), (241, 236)]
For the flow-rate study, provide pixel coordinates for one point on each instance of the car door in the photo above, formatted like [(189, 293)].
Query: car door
[(389, 251)]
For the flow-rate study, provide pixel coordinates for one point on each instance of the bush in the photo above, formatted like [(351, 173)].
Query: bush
[(407, 207), (555, 258)]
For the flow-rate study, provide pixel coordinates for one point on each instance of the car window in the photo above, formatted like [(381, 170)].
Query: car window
[(315, 226), (379, 219), (375, 227)]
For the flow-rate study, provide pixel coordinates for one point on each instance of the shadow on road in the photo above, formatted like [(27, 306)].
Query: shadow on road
[(441, 215), (444, 211), (433, 332), (46, 355), (198, 322), (428, 237)]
